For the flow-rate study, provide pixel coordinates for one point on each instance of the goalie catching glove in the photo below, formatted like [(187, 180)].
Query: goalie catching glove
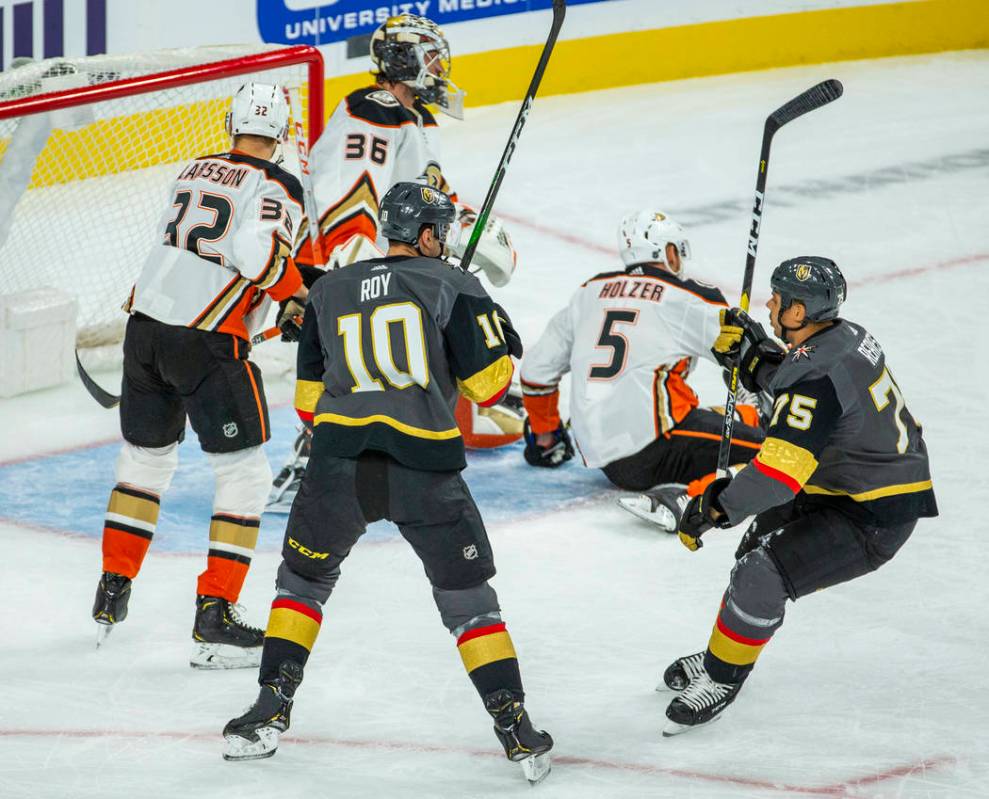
[(699, 515), (495, 255), (744, 338), (555, 454)]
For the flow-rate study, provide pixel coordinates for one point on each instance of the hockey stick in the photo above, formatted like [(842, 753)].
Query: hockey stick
[(559, 12), (109, 401), (815, 97)]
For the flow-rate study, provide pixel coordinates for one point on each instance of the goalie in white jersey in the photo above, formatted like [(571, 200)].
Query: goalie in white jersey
[(376, 137), (629, 340), (224, 250)]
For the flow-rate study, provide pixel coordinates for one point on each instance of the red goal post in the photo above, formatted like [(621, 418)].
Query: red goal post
[(90, 146)]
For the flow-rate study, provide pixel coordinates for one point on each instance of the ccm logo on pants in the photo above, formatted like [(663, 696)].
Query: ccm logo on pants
[(306, 551)]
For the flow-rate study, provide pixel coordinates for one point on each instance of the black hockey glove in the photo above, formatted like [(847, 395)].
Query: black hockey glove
[(697, 517), (743, 338), (512, 338), (558, 453), (310, 274), (289, 319)]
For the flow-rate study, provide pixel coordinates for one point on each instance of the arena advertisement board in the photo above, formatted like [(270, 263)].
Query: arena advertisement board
[(319, 22)]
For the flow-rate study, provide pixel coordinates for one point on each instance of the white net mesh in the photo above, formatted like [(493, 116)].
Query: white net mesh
[(81, 189)]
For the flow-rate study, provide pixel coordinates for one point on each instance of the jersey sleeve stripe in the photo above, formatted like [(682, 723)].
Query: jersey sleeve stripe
[(307, 394), (489, 382), (775, 474), (735, 442), (795, 462)]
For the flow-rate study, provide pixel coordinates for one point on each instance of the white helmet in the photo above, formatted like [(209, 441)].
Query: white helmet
[(259, 109), (643, 236)]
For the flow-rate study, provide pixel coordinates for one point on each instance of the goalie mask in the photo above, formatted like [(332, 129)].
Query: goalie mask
[(259, 109), (643, 236), (412, 50)]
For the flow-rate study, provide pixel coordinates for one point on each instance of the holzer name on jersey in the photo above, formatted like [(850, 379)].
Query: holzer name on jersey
[(222, 174), (632, 289)]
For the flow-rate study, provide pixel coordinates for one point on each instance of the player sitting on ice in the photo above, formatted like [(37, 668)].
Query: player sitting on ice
[(376, 137), (224, 248), (629, 339), (386, 446), (836, 489)]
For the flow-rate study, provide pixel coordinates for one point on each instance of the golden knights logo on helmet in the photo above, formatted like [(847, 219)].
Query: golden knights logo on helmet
[(803, 272), (428, 196)]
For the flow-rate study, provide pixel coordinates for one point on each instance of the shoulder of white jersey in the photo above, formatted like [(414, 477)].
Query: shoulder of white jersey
[(379, 107), (272, 171), (428, 120), (603, 276), (707, 292)]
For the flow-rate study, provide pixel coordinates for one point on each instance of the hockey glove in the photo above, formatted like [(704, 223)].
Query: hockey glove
[(556, 454), (698, 516), (744, 338), (289, 319), (512, 339)]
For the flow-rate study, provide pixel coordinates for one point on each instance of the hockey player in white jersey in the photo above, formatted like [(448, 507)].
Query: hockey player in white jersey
[(223, 252), (629, 340), (378, 136)]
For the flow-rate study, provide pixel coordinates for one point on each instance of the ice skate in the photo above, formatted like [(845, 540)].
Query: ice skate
[(286, 485), (523, 744), (700, 703), (681, 671), (110, 606), (222, 640), (254, 735), (661, 506)]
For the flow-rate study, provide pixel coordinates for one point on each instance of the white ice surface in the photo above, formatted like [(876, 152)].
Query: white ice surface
[(872, 688)]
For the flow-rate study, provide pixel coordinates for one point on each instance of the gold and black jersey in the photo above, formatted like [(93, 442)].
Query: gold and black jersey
[(386, 345), (841, 433)]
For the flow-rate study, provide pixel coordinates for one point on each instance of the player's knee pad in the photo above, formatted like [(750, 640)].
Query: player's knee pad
[(757, 593), (150, 468), (466, 608), (315, 587), (243, 480)]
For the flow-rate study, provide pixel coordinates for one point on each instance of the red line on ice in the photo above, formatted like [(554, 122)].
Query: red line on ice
[(834, 789)]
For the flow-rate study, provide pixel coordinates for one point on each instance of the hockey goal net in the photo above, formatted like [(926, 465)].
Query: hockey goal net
[(89, 148)]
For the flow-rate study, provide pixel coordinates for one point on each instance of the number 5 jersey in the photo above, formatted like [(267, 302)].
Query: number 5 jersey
[(223, 246)]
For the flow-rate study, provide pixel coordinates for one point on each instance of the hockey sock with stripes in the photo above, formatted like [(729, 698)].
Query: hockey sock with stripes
[(231, 544), (735, 644), (129, 526), (292, 629), (490, 660)]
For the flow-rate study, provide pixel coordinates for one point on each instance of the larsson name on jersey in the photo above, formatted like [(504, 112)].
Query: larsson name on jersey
[(632, 289), (221, 174)]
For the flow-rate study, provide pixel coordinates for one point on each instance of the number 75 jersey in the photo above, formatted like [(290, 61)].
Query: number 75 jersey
[(223, 246)]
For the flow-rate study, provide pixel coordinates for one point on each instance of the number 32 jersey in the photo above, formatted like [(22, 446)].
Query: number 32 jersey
[(223, 246), (629, 340)]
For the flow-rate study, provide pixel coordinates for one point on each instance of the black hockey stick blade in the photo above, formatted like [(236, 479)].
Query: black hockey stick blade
[(559, 13), (103, 397), (816, 96)]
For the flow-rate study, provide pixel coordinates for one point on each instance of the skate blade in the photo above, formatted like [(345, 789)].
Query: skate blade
[(279, 504), (672, 728), (640, 506), (102, 633), (536, 768), (224, 656), (239, 748), (663, 688)]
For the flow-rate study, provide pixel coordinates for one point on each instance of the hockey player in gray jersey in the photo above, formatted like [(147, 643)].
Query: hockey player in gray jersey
[(386, 344), (836, 489)]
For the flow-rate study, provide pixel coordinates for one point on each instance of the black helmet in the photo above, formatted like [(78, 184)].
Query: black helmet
[(815, 282), (407, 207)]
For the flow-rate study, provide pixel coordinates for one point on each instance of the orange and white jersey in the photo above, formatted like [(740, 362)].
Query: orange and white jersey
[(629, 340), (225, 246), (370, 143)]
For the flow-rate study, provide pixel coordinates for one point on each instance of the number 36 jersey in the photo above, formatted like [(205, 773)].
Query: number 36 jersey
[(223, 246), (386, 345), (629, 340)]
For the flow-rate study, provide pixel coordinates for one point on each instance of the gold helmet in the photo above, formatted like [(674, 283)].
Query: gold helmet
[(412, 50)]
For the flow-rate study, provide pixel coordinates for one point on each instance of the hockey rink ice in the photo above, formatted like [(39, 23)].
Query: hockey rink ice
[(871, 689)]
